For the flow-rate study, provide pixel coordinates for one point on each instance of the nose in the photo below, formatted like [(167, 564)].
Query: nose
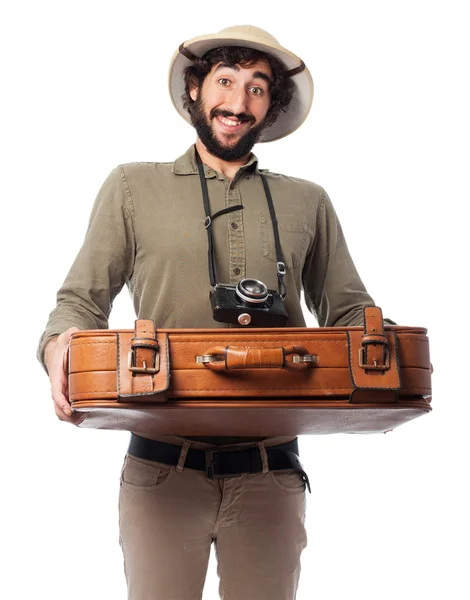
[(236, 100)]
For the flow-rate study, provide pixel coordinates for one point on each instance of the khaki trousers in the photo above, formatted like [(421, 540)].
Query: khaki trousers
[(170, 515)]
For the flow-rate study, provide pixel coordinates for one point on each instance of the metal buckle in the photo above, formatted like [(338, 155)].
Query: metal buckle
[(307, 358), (144, 369), (281, 268), (207, 358), (212, 465), (375, 366)]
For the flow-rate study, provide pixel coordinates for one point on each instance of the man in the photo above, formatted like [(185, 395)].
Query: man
[(147, 230)]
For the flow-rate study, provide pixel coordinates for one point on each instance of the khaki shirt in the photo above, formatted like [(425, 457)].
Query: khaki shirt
[(146, 230)]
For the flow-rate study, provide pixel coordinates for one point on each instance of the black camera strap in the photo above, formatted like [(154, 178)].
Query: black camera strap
[(281, 267)]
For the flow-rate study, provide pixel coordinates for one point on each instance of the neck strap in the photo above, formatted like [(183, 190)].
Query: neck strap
[(281, 267)]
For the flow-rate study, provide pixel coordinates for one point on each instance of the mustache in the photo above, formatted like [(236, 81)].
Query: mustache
[(225, 113)]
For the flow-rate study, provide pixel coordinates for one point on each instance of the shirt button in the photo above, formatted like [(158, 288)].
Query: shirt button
[(236, 271), (234, 225)]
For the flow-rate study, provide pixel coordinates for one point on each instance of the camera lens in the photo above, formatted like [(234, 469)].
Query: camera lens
[(252, 291)]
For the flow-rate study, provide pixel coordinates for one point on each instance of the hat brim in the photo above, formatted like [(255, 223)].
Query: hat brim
[(302, 98)]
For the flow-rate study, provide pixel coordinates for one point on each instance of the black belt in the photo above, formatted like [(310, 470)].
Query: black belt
[(221, 463)]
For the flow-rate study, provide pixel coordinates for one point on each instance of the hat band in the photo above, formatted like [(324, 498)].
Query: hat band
[(185, 52), (188, 54), (298, 69)]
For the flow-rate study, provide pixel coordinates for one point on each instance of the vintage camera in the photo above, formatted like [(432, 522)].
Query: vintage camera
[(248, 303)]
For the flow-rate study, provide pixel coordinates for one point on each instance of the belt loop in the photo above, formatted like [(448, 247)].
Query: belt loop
[(183, 453), (264, 457)]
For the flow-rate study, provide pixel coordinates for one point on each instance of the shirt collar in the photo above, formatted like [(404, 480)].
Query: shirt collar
[(186, 165)]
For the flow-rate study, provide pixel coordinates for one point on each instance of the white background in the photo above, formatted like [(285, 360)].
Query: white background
[(387, 137)]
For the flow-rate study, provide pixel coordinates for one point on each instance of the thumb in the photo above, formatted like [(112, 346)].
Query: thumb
[(65, 336)]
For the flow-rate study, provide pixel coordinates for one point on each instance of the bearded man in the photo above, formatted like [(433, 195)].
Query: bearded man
[(148, 230)]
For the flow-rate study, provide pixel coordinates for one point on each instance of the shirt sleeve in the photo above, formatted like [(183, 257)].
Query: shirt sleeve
[(102, 266), (334, 292)]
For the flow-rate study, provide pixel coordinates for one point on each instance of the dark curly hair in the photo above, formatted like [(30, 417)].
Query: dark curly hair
[(281, 87)]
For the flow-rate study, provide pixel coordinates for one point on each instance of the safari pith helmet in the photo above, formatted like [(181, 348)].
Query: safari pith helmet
[(247, 36)]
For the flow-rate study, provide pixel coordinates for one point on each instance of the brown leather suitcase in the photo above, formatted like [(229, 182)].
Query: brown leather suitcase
[(251, 381)]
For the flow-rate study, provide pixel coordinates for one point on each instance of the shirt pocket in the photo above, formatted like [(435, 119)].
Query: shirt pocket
[(292, 234)]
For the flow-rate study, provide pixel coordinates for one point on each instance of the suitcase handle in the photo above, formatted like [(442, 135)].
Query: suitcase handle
[(220, 358)]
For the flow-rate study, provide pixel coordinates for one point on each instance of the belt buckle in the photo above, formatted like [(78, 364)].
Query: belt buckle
[(212, 465)]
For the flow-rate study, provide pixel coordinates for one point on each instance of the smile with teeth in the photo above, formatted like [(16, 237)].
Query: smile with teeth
[(231, 123)]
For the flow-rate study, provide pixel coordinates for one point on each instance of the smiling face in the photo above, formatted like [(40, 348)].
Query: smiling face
[(229, 109)]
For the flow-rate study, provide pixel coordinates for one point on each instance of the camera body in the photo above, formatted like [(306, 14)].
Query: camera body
[(249, 302)]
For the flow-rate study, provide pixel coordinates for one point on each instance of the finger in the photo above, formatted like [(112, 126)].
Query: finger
[(65, 360), (59, 381), (65, 373), (74, 419), (60, 413), (58, 388)]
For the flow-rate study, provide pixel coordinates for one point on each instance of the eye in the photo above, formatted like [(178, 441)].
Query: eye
[(257, 91), (223, 81)]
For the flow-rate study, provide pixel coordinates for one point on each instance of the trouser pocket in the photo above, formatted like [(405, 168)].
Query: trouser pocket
[(142, 474), (291, 481)]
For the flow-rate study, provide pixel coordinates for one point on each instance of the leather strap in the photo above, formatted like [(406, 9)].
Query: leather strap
[(374, 340), (373, 357), (143, 372), (144, 346), (221, 463)]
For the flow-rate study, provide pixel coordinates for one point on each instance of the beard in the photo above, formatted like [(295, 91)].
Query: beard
[(205, 132)]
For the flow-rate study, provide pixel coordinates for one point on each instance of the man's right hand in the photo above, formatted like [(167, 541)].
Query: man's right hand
[(56, 359)]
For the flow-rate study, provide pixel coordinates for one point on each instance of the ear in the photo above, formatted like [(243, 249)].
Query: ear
[(193, 91)]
